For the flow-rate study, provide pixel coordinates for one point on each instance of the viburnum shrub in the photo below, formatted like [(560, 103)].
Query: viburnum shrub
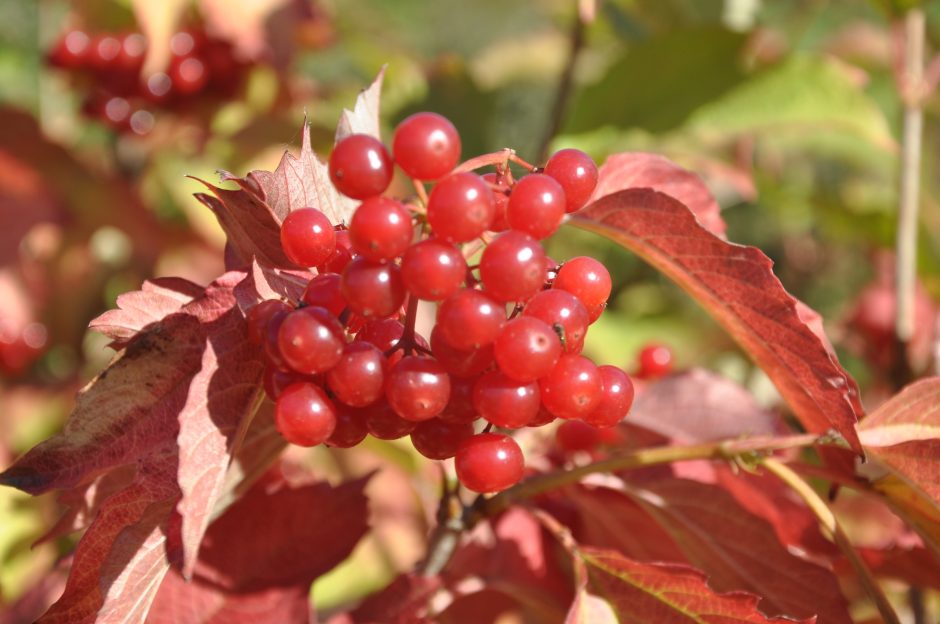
[(569, 493)]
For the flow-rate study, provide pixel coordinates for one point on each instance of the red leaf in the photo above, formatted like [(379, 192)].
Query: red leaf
[(739, 551), (252, 228), (736, 285), (403, 601), (904, 435), (302, 182), (267, 282), (633, 170), (181, 602), (915, 566), (655, 592), (699, 406), (513, 555), (156, 299), (285, 536), (261, 555), (168, 407)]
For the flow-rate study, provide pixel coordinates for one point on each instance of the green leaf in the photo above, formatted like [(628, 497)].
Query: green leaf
[(660, 82), (802, 94)]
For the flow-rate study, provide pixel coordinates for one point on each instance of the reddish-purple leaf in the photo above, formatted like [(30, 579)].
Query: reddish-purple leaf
[(262, 554), (252, 228), (904, 435), (404, 601), (167, 408), (267, 282), (633, 170), (739, 551), (156, 299), (302, 182), (657, 592), (195, 602), (915, 566), (699, 406), (285, 536), (737, 287)]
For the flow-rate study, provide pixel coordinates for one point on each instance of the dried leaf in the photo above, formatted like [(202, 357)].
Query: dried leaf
[(267, 282), (737, 287)]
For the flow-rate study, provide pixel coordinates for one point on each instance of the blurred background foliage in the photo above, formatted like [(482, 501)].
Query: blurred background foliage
[(788, 110)]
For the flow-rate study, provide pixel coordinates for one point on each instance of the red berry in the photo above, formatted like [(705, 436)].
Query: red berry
[(360, 166), (573, 436), (655, 360), (157, 87), (588, 280), (461, 207), (71, 51), (536, 205), (433, 269), (311, 340), (527, 348), (461, 363), (259, 315), (460, 406), (189, 75), (573, 388), (133, 50), (489, 462), (104, 52), (576, 172), (372, 289), (564, 313), (275, 381), (341, 255), (544, 417), (426, 146), (358, 379), (380, 229), (324, 291), (470, 319), (417, 388), (436, 439), (504, 402), (500, 202), (304, 415), (616, 398), (272, 349), (307, 237), (383, 333), (512, 267), (350, 427), (383, 423)]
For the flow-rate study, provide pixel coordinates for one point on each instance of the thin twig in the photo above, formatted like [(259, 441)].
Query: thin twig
[(829, 523), (911, 83), (563, 90), (725, 449)]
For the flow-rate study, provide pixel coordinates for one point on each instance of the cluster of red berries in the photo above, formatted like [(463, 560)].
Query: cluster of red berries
[(110, 67), (346, 361)]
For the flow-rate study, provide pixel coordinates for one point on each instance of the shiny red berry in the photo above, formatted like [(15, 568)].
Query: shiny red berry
[(588, 280), (576, 172), (573, 388), (360, 166), (304, 415), (512, 267), (536, 205), (504, 402), (616, 398), (311, 340), (380, 229), (437, 439), (373, 289), (307, 237), (417, 388), (426, 146), (489, 462), (470, 319), (358, 378), (433, 269), (461, 207), (526, 349)]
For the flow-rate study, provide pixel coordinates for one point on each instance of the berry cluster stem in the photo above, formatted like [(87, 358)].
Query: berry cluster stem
[(445, 538)]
